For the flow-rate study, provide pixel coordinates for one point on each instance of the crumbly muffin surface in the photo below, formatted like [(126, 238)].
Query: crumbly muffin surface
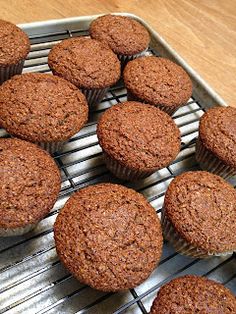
[(29, 183), (14, 44), (193, 294), (41, 107), (202, 208), (85, 62), (139, 135), (108, 237), (217, 132), (124, 35), (157, 81)]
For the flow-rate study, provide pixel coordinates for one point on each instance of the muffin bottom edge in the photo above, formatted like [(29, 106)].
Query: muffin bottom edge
[(122, 172), (181, 245), (209, 162)]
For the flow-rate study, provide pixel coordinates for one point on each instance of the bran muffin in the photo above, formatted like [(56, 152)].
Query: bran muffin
[(109, 237), (216, 144), (127, 37), (193, 294), (29, 186), (199, 215), (14, 48), (159, 82), (43, 109), (87, 63), (137, 139)]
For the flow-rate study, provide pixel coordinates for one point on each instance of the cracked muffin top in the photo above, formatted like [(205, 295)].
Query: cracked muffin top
[(85, 62), (124, 35), (109, 237), (158, 81), (29, 183), (41, 108), (194, 294), (14, 44), (217, 131), (138, 135), (202, 208)]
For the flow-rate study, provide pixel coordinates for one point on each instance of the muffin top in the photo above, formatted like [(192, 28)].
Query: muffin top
[(202, 208), (14, 44), (109, 237), (194, 294), (124, 35), (158, 81), (85, 62), (29, 183), (218, 133), (41, 107), (138, 135)]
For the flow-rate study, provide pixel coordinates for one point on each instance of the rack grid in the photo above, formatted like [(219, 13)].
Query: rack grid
[(32, 279)]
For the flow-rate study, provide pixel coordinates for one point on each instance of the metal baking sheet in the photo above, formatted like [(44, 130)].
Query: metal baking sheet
[(32, 279)]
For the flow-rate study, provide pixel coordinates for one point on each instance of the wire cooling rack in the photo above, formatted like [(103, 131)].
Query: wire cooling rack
[(32, 279)]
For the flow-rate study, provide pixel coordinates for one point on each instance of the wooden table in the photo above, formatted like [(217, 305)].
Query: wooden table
[(202, 31)]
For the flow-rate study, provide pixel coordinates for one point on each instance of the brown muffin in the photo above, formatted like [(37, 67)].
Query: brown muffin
[(14, 48), (194, 294), (42, 108), (109, 237), (159, 82), (137, 139), (216, 148), (124, 35), (29, 186), (199, 215), (87, 63)]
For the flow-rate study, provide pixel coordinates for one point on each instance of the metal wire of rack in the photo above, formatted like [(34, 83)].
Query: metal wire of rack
[(32, 279)]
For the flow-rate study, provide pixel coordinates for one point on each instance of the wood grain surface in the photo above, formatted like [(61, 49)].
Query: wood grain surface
[(203, 32)]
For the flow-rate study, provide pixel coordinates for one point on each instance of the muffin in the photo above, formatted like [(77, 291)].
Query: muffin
[(87, 63), (42, 108), (127, 37), (194, 294), (14, 48), (29, 186), (109, 237), (216, 144), (137, 139), (199, 215), (159, 82)]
